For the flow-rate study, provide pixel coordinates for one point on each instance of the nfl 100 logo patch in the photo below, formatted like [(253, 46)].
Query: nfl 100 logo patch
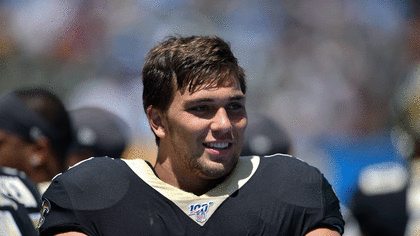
[(200, 211)]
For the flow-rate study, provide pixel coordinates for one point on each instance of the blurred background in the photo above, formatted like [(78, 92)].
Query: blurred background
[(337, 75)]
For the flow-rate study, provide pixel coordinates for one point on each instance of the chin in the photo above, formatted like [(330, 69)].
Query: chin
[(215, 170), (215, 173)]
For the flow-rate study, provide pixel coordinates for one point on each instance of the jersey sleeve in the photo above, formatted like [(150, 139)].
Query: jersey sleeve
[(316, 195), (75, 199), (58, 214), (308, 199), (332, 214)]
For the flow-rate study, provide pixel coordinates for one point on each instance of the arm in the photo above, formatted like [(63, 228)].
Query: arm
[(71, 234), (323, 232)]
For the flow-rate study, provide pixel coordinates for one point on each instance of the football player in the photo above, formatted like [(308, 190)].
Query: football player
[(194, 98), (35, 133)]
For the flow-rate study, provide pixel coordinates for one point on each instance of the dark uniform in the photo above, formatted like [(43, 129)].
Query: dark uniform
[(19, 203), (387, 201), (276, 195)]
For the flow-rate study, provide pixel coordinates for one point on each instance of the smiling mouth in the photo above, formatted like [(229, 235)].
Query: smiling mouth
[(217, 145)]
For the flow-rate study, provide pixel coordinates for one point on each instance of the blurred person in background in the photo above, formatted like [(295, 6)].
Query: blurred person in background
[(98, 132), (265, 136), (342, 63), (380, 203), (36, 132), (120, 97), (387, 198), (387, 201)]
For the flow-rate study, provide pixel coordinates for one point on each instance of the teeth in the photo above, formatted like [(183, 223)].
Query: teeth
[(217, 145)]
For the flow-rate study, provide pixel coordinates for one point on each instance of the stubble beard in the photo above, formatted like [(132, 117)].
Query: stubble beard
[(210, 170), (196, 164)]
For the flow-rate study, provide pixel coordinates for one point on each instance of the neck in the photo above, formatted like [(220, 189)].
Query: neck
[(38, 176)]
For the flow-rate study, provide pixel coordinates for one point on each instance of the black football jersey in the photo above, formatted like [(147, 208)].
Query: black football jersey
[(276, 195), (19, 203)]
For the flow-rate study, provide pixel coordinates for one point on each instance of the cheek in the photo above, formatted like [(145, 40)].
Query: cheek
[(12, 148), (195, 132), (241, 125), (189, 127), (13, 152)]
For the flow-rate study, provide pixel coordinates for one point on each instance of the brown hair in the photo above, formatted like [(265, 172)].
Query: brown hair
[(180, 63)]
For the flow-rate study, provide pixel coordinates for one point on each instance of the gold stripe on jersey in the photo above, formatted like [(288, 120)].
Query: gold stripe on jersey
[(243, 171)]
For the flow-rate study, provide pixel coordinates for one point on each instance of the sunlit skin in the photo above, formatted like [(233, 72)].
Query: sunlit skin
[(201, 136)]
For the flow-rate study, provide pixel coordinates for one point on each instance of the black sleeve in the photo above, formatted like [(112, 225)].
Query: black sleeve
[(57, 216), (332, 214), (325, 211), (311, 200), (75, 200)]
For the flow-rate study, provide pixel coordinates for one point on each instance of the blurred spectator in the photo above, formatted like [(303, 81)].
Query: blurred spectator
[(98, 132), (380, 205), (19, 208), (264, 136), (388, 194), (342, 62), (123, 98), (118, 96), (336, 56), (35, 131)]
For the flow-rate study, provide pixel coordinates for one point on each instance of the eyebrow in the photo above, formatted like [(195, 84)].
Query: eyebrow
[(201, 100)]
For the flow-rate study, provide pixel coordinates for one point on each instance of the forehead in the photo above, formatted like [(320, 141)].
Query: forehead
[(227, 89), (212, 82)]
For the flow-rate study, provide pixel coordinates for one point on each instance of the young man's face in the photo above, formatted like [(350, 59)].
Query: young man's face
[(205, 130)]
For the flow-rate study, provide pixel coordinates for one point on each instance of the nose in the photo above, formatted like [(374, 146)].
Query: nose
[(221, 122)]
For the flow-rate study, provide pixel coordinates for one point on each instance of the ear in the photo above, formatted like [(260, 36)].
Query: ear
[(43, 160), (156, 121), (41, 151)]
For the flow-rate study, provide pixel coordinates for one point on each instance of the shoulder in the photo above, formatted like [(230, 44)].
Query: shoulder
[(18, 185), (289, 165), (293, 180), (95, 168), (15, 173), (91, 184)]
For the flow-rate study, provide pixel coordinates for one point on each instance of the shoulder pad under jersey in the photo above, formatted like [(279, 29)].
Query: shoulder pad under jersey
[(94, 184)]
